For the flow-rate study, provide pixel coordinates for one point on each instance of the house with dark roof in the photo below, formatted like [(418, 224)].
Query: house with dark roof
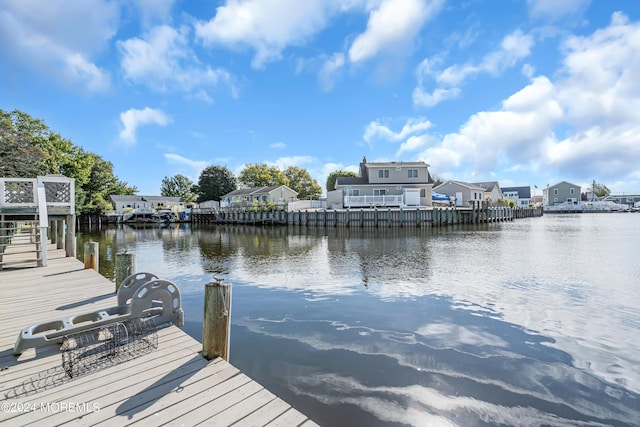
[(520, 195), (384, 184), (245, 197), (120, 203)]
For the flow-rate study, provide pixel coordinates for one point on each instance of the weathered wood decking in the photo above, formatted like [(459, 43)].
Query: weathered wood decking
[(173, 385)]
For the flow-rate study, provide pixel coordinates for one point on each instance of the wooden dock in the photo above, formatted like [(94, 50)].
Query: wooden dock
[(172, 385)]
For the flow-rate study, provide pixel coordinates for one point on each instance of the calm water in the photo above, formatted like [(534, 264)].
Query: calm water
[(534, 322)]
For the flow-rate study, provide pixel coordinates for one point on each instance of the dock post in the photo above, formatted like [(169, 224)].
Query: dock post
[(59, 227), (91, 255), (70, 236), (53, 224), (217, 320), (125, 267)]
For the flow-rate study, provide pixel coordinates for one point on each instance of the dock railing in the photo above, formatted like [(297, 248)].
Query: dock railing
[(50, 200)]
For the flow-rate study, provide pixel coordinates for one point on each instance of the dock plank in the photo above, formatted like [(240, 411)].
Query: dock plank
[(172, 385)]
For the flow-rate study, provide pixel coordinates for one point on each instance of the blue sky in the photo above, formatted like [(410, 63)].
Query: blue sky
[(528, 92)]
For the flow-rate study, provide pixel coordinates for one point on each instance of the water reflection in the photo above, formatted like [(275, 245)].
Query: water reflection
[(525, 323)]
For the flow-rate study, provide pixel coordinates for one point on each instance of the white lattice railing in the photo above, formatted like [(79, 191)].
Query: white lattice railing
[(23, 192), (350, 201)]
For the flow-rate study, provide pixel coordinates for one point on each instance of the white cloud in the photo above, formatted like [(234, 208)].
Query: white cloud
[(554, 9), (414, 143), (58, 39), (601, 93), (392, 26), (424, 99), (513, 48), (267, 26), (285, 162), (376, 130), (163, 60), (154, 11), (330, 69), (133, 118), (278, 145), (195, 167), (515, 132), (594, 102)]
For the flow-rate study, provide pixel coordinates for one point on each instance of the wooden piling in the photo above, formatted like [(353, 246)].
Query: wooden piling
[(91, 255), (60, 240), (125, 267), (217, 320)]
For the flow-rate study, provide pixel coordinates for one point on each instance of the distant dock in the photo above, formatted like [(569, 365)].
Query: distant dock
[(172, 385)]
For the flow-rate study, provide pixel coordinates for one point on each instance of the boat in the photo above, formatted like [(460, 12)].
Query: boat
[(596, 206), (163, 217), (149, 216)]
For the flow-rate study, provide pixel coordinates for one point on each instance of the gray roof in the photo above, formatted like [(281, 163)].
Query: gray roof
[(488, 186), (255, 191), (523, 192), (394, 164), (461, 183), (351, 180)]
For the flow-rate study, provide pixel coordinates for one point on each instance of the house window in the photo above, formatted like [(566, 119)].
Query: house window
[(353, 192), (555, 200), (383, 173), (423, 192), (413, 173), (555, 191), (572, 190), (379, 192)]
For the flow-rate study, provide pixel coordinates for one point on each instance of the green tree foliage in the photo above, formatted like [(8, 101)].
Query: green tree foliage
[(178, 186), (20, 156), (214, 182), (301, 181), (331, 179), (600, 190), (101, 184), (28, 148), (436, 180), (261, 175)]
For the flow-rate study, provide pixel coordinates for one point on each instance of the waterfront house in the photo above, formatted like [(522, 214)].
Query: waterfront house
[(388, 184), (246, 197), (520, 195), (463, 193), (630, 200), (492, 191), (120, 203), (560, 193)]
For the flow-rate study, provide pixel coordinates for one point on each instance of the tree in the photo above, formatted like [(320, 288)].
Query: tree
[(261, 175), (178, 186), (28, 148), (331, 179), (19, 156), (436, 180), (102, 183), (215, 182), (300, 180), (600, 190)]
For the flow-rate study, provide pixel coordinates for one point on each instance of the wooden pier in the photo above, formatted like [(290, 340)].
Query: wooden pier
[(173, 385)]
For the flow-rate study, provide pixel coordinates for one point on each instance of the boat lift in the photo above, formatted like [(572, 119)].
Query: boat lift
[(141, 295)]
